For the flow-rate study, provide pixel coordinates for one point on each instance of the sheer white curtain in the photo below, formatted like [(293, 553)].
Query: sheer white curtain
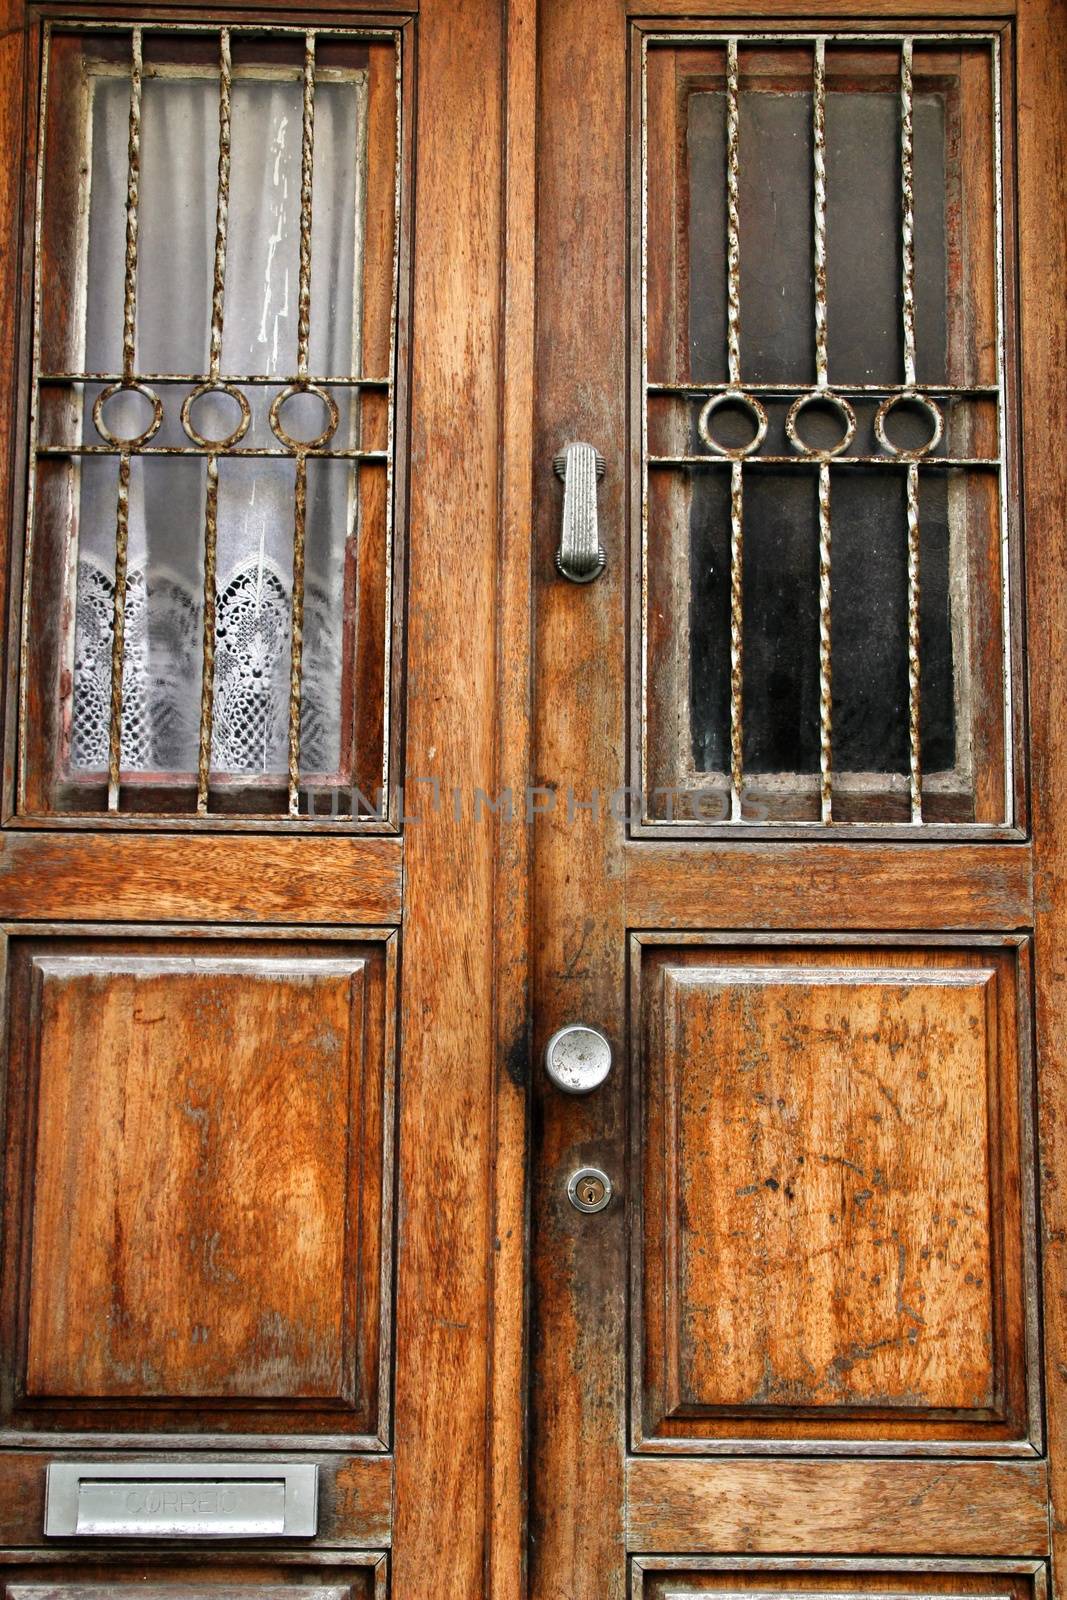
[(164, 606)]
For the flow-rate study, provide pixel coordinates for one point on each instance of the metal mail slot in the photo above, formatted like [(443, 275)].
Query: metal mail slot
[(169, 1500)]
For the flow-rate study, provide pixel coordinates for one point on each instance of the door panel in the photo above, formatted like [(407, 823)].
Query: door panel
[(358, 1578), (787, 722), (832, 1236), (205, 1008), (977, 1508), (677, 1579), (200, 1171)]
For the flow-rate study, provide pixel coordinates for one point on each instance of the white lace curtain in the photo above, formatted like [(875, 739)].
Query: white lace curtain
[(164, 600)]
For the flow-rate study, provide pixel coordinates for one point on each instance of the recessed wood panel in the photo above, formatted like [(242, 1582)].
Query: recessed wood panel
[(954, 1508), (682, 1578), (200, 1577), (203, 1151), (832, 1221)]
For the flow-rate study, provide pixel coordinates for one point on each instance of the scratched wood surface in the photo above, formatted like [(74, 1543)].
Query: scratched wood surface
[(981, 1508), (832, 1230), (1043, 325), (204, 1132), (672, 1577), (791, 1293), (578, 1289), (448, 1052), (77, 1576)]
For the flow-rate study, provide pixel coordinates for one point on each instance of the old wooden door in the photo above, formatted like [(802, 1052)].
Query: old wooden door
[(800, 283), (248, 1012)]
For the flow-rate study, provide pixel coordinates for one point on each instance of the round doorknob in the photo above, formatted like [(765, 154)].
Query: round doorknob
[(577, 1059)]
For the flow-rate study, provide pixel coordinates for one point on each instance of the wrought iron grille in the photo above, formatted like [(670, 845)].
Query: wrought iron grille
[(805, 452), (177, 395)]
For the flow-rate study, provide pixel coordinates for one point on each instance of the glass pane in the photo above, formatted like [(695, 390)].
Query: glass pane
[(215, 417), (823, 584)]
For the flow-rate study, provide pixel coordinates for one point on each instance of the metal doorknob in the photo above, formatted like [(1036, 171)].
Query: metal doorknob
[(577, 1059)]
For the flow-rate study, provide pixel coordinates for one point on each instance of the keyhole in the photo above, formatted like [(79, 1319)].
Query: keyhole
[(589, 1189)]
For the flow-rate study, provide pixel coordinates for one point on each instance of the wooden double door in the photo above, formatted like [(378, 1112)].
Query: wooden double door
[(532, 870)]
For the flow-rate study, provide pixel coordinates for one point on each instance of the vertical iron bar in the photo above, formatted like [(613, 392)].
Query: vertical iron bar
[(737, 548), (307, 163), (133, 182), (303, 339), (907, 213), (118, 632), (122, 509), (207, 681), (211, 508), (297, 633), (907, 255), (914, 730), (818, 128), (825, 663), (733, 239), (222, 206), (733, 356)]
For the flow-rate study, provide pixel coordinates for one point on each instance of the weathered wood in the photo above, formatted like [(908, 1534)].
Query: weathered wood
[(506, 1556), (578, 1320), (879, 1507), (659, 1577), (801, 886), (830, 1147), (448, 1046), (1042, 146), (204, 1132), (244, 878)]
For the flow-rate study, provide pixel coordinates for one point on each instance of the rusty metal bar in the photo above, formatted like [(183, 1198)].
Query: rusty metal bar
[(907, 213), (307, 164), (118, 634), (211, 505), (818, 127), (976, 391), (737, 551), (133, 182), (733, 231), (207, 682), (914, 662), (222, 207), (269, 453), (710, 460), (297, 633), (281, 381), (303, 340), (825, 661), (122, 508)]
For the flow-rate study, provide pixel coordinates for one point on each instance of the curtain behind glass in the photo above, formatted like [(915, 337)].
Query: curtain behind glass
[(164, 602)]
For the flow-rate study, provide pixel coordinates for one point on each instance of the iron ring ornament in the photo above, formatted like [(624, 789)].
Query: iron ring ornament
[(230, 439), (824, 397), (910, 397), (749, 403), (301, 445), (135, 441)]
